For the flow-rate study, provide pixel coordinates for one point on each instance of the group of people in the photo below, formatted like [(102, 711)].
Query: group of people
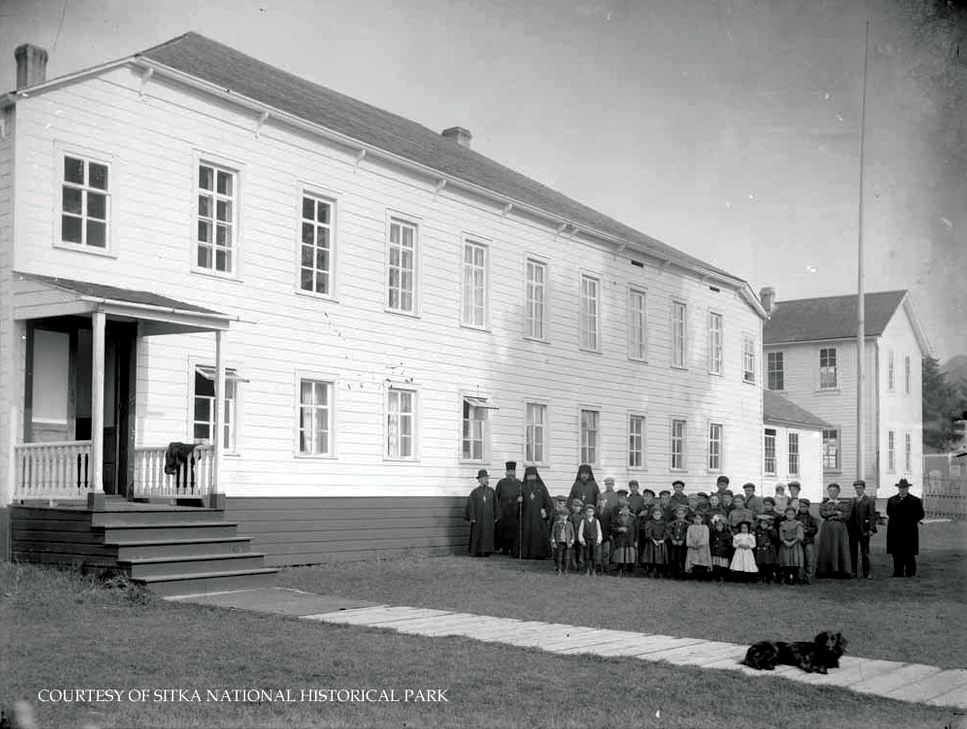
[(719, 535)]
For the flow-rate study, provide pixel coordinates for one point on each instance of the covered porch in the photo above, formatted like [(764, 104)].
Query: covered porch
[(75, 436)]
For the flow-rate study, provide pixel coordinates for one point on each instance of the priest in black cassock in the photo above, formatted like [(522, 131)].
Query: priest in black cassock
[(537, 509), (482, 513), (509, 502)]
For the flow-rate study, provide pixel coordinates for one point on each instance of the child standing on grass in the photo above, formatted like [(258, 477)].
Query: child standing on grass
[(743, 561), (676, 542), (589, 536), (766, 558), (562, 540), (654, 549), (790, 547), (624, 552), (720, 546), (698, 558), (576, 517)]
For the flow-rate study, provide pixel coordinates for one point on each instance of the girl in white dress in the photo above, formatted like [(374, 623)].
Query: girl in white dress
[(743, 561)]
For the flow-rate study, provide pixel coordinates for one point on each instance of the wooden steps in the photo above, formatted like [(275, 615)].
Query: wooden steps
[(171, 550)]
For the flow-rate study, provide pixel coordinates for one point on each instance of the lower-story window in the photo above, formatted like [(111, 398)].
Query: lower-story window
[(315, 418), (203, 420), (400, 423)]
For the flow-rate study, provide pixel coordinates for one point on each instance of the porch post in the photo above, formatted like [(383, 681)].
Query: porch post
[(219, 435), (95, 497)]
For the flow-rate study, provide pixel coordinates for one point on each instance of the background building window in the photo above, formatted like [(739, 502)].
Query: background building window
[(315, 418), (776, 374), (315, 267), (830, 449), (748, 358), (891, 451), (535, 426), (793, 454), (769, 465), (827, 368), (589, 436), (636, 441), (906, 375), (890, 373), (907, 453), (715, 447), (84, 202), (715, 343), (677, 445)]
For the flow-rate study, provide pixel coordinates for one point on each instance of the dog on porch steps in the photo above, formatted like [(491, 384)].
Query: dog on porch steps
[(816, 656)]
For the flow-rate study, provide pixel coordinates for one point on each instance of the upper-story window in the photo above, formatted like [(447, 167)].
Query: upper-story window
[(474, 312), (748, 358), (679, 334), (827, 368), (776, 371), (85, 202), (315, 264), (715, 343), (906, 374), (890, 372), (637, 325), (217, 218), (590, 313), (401, 283), (536, 295)]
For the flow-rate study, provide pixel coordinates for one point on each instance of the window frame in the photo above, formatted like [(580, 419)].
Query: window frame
[(891, 451), (478, 404), (531, 428), (482, 289), (682, 439), (318, 196), (302, 378), (642, 441), (795, 456), (411, 222), (589, 341), (679, 334), (713, 444), (637, 324), (413, 416), (230, 418), (769, 455), (589, 452), (907, 374), (775, 374), (907, 452), (828, 369), (890, 372), (825, 454), (61, 153), (716, 343), (748, 355), (531, 304), (235, 170)]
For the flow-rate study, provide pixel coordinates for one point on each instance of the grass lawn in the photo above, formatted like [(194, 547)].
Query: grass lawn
[(64, 631)]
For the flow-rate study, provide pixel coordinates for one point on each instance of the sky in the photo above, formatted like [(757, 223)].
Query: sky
[(729, 129)]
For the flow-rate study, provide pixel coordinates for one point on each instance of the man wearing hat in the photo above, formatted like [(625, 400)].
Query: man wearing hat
[(508, 499), (482, 513), (904, 512), (861, 525)]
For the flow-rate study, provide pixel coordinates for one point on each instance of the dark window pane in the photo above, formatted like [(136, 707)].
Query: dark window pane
[(307, 233), (98, 176), (204, 385), (322, 284), (204, 206), (204, 257), (201, 431), (73, 201), (306, 279), (223, 210), (322, 259), (322, 237), (204, 231), (205, 177), (308, 208), (96, 206), (70, 229), (96, 234), (323, 213), (224, 183), (74, 170), (307, 255)]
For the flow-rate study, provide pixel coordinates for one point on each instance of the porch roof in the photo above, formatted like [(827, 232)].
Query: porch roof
[(42, 297)]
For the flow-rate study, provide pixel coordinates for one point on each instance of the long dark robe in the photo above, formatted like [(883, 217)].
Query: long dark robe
[(587, 491), (902, 534), (508, 489), (535, 530), (481, 512)]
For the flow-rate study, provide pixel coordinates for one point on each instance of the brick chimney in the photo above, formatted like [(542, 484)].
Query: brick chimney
[(767, 295), (31, 65), (458, 134)]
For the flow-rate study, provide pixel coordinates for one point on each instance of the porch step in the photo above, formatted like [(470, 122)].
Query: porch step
[(154, 516), (162, 529), (191, 584), (144, 548), (196, 564)]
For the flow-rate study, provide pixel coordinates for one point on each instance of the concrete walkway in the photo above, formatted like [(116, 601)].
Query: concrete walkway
[(912, 682)]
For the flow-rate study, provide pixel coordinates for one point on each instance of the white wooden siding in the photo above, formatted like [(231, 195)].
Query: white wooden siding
[(351, 338)]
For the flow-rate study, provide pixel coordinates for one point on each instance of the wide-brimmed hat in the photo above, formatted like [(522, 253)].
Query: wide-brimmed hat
[(482, 472), (903, 484)]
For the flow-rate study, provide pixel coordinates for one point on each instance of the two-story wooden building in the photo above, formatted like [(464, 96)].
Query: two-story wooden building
[(348, 312), (810, 357)]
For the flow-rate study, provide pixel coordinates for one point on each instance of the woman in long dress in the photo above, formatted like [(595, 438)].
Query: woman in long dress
[(832, 541)]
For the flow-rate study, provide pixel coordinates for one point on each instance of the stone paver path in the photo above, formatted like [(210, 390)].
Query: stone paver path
[(912, 682)]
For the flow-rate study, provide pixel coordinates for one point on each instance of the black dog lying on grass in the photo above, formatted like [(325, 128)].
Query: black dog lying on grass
[(816, 656)]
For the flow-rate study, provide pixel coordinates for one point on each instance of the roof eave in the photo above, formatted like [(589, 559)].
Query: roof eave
[(926, 350), (12, 97)]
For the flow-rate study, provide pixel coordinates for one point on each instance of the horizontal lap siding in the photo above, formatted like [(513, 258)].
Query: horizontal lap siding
[(292, 531), (351, 340)]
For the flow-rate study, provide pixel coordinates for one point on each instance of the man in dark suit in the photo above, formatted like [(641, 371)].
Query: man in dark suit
[(904, 512), (861, 525)]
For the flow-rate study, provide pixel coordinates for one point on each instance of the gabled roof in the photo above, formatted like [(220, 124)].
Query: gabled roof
[(831, 317), (245, 78), (777, 409)]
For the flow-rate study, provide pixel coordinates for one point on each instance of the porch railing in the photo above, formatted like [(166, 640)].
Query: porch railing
[(194, 476), (58, 470)]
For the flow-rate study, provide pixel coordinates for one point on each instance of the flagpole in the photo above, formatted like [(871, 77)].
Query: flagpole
[(860, 300)]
